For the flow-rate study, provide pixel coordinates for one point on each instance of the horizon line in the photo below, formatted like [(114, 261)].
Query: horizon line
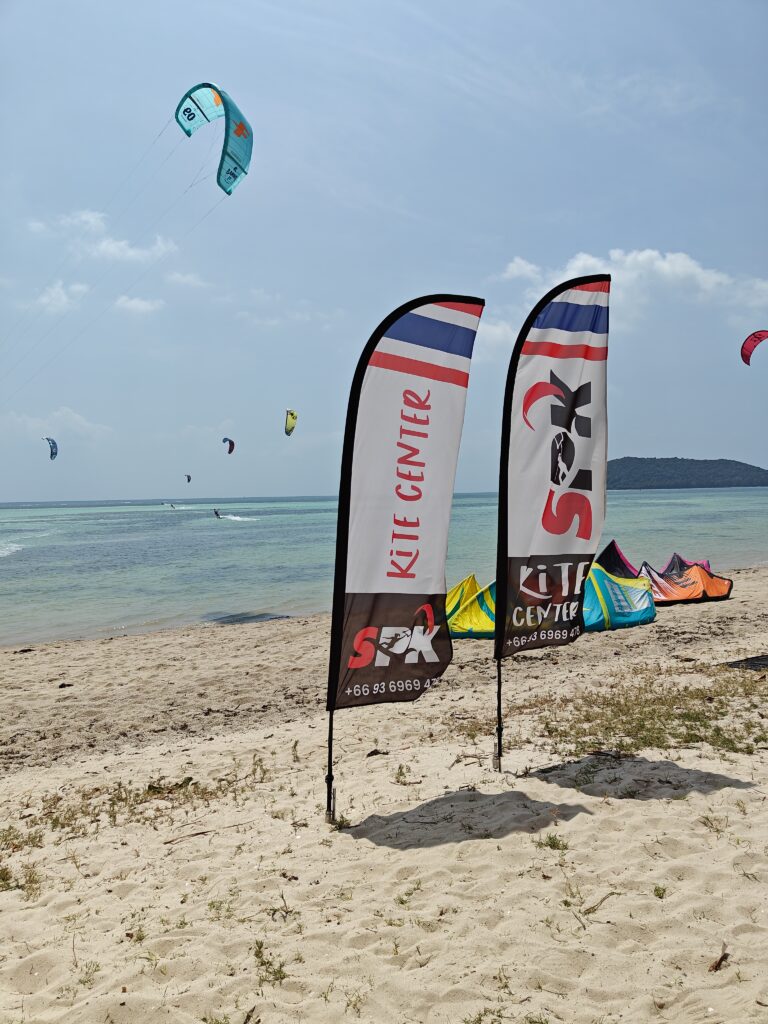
[(315, 497)]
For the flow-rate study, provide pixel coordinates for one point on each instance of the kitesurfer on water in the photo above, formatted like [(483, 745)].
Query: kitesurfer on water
[(216, 513)]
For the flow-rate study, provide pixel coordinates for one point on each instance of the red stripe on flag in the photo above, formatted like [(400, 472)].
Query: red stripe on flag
[(595, 286), (417, 368), (547, 348), (463, 307)]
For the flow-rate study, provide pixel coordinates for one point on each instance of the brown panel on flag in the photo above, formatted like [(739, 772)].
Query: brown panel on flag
[(395, 647), (544, 601)]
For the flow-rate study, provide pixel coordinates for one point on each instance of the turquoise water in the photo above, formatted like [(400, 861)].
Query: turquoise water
[(89, 569)]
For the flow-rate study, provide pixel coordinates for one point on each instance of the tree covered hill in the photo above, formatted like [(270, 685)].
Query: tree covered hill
[(630, 473)]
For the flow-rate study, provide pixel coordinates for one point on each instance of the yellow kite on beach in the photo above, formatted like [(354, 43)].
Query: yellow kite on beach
[(460, 594)]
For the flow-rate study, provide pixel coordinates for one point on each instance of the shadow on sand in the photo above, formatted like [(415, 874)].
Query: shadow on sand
[(757, 664), (460, 816), (467, 814), (633, 778), (239, 618)]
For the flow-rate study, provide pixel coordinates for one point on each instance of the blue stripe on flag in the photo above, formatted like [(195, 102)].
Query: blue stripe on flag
[(434, 334), (570, 316)]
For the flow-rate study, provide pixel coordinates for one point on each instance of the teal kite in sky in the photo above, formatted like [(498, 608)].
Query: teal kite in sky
[(205, 103)]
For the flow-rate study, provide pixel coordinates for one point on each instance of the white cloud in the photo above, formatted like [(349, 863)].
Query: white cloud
[(186, 280), (136, 305), (641, 267), (58, 297), (122, 251), (86, 220), (61, 421), (89, 221), (496, 336), (753, 292), (520, 268), (87, 232), (643, 281), (638, 274), (492, 334)]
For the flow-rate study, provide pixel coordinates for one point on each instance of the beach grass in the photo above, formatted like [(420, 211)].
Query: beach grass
[(651, 708), (722, 711)]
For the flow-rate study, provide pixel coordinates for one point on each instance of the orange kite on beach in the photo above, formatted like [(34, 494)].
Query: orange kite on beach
[(679, 580)]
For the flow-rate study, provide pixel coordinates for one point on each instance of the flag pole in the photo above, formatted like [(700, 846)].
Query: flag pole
[(330, 792), (499, 720)]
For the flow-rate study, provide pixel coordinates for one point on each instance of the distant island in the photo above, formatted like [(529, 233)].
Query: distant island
[(645, 474)]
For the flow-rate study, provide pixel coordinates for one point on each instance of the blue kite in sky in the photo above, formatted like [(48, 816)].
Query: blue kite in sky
[(205, 103), (53, 446)]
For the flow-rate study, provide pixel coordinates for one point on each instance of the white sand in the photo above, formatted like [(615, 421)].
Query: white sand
[(438, 905)]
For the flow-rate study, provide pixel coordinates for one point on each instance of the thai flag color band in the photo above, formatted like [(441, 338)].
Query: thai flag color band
[(389, 637), (553, 471)]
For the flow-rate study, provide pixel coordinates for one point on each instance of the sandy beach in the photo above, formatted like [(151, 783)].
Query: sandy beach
[(163, 853)]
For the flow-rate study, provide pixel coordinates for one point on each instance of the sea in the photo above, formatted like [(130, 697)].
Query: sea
[(104, 568)]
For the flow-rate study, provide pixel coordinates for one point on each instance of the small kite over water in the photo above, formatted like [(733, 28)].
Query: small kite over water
[(53, 446), (228, 441), (189, 478), (291, 416), (205, 103), (751, 343)]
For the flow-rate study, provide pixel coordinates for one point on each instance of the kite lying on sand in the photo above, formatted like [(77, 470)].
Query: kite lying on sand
[(679, 580), (610, 602)]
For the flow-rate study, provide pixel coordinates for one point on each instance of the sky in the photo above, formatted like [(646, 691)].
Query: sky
[(400, 149)]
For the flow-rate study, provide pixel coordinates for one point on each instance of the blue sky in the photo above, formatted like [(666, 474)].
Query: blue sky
[(400, 149)]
